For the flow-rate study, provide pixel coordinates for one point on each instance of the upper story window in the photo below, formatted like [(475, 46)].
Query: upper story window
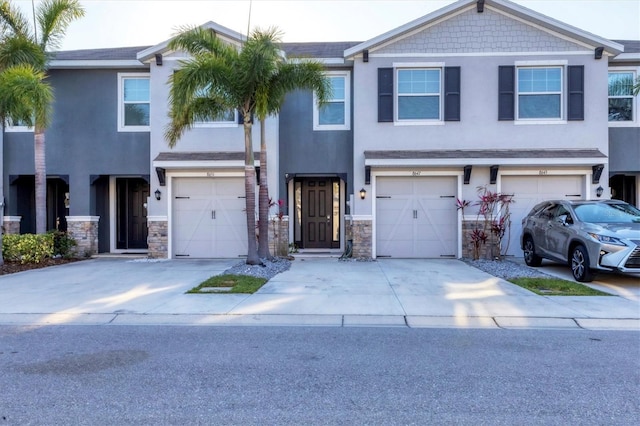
[(419, 94), (18, 127), (539, 93), (336, 112), (133, 102), (621, 97), (227, 119)]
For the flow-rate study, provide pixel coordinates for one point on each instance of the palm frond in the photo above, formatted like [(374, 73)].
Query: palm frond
[(54, 17), (21, 50), (13, 22), (26, 96)]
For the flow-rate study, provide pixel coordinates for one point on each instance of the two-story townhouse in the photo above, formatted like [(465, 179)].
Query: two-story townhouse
[(97, 150), (479, 93), (624, 124)]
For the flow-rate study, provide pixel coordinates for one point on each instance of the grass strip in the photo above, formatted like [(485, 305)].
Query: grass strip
[(556, 287), (236, 283)]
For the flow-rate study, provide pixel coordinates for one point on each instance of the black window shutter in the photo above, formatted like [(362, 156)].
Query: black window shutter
[(385, 95), (506, 92), (575, 103), (452, 94)]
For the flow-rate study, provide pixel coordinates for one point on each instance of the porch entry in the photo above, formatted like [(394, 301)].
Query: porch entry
[(317, 212), (131, 214)]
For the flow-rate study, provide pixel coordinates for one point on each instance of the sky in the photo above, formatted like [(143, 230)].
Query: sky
[(121, 23)]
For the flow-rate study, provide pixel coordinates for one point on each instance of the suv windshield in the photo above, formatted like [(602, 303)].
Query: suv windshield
[(607, 213)]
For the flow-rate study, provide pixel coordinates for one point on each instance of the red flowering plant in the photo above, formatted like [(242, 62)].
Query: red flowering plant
[(493, 221)]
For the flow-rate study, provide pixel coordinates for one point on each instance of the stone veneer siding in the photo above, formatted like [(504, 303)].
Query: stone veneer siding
[(157, 239), (11, 224), (84, 230), (279, 236), (488, 250), (361, 233)]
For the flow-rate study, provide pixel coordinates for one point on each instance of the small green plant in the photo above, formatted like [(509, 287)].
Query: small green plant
[(28, 248), (236, 283), (293, 248), (63, 244), (556, 287)]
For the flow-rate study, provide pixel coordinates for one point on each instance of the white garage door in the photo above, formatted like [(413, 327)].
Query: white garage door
[(209, 220), (416, 217), (529, 191)]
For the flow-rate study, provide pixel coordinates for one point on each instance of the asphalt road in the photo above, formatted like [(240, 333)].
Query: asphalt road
[(120, 375)]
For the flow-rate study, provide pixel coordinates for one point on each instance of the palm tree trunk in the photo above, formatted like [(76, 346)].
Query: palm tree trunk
[(263, 198), (41, 180), (250, 193)]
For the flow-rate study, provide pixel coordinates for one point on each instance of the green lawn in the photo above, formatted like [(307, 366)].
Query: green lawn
[(235, 283), (556, 287)]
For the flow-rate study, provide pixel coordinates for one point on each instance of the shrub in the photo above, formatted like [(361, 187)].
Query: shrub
[(27, 248), (62, 244)]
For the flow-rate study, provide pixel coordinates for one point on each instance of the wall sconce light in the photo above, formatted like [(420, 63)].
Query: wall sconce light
[(363, 193), (158, 194), (599, 191)]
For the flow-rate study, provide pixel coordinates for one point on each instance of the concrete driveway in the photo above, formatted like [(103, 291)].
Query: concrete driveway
[(416, 293)]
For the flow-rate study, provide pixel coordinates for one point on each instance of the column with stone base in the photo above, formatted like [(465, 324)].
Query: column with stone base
[(362, 234), (11, 224), (157, 237), (84, 231)]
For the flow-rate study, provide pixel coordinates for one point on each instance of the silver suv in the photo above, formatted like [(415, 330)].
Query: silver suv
[(587, 235)]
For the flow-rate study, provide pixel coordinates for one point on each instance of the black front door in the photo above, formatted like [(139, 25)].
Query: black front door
[(317, 213), (131, 224)]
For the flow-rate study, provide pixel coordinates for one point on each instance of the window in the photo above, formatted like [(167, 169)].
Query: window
[(419, 94), (335, 113), (539, 93), (133, 94), (228, 118), (621, 96), (19, 126)]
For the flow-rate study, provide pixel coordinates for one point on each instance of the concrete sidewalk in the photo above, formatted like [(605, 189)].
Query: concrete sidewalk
[(323, 292)]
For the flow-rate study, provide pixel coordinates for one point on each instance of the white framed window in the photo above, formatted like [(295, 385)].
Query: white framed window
[(418, 94), (622, 103), (18, 127), (133, 102), (539, 92), (227, 119), (336, 113)]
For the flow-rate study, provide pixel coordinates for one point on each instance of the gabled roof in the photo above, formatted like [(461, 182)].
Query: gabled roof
[(163, 47), (317, 49), (118, 57), (502, 5)]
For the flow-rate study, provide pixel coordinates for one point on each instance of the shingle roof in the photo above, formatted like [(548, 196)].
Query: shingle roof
[(630, 46), (113, 53), (484, 153), (203, 156), (318, 49)]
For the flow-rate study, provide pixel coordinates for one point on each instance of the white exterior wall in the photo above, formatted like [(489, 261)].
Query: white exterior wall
[(479, 127), (203, 139)]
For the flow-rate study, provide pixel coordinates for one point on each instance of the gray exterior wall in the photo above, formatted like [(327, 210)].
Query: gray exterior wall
[(305, 151), (624, 150), (83, 138)]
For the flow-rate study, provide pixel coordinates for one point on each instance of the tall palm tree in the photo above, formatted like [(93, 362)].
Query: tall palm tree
[(22, 44), (219, 77), (279, 78)]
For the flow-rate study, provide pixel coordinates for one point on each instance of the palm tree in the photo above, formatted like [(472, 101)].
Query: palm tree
[(279, 77), (24, 45), (220, 77)]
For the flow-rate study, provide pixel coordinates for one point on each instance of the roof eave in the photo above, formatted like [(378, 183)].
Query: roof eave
[(163, 47), (97, 64)]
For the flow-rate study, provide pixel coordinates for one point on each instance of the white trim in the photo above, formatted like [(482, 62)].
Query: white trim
[(542, 63), (121, 77), (12, 218), (536, 121), (18, 129), (218, 124), (346, 75), (418, 64), (522, 65), (88, 63), (626, 57), (477, 54), (82, 218), (210, 164), (157, 218), (439, 66)]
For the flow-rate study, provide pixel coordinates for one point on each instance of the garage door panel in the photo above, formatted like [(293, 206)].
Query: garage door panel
[(416, 216), (208, 217), (528, 191)]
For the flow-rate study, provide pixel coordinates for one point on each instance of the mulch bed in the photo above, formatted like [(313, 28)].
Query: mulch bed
[(13, 267)]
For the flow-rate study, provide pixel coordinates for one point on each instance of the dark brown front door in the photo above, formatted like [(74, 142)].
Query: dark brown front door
[(317, 217), (132, 218)]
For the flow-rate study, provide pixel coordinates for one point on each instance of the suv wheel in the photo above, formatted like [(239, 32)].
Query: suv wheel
[(530, 256), (580, 265)]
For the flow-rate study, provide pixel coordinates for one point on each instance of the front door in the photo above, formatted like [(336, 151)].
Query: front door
[(131, 225), (317, 213)]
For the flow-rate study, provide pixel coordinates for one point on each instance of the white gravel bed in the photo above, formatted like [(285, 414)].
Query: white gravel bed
[(506, 269)]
